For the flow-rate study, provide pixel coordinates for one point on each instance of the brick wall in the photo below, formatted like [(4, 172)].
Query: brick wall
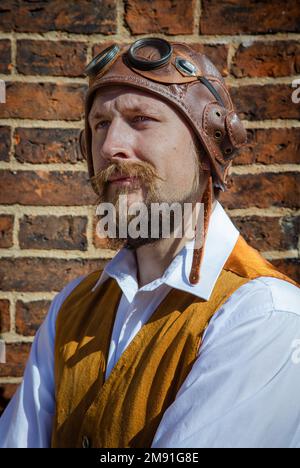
[(46, 204)]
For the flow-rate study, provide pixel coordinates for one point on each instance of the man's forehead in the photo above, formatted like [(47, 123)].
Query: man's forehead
[(125, 96)]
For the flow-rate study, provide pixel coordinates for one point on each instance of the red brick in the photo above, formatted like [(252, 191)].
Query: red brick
[(62, 58), (5, 56), (43, 101), (30, 315), (6, 393), (5, 134), (217, 53), (289, 266), (43, 274), (260, 102), (4, 316), (6, 230), (16, 358), (46, 188), (271, 146), (82, 16), (53, 232), (276, 58), (159, 16), (47, 145), (265, 233), (263, 191), (249, 16)]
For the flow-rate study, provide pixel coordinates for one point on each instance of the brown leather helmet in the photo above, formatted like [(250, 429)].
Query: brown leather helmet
[(190, 82)]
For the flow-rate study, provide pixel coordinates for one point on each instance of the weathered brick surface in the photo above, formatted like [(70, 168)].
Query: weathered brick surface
[(159, 16), (258, 59), (4, 316), (16, 358), (4, 143), (43, 274), (271, 146), (53, 232), (249, 16), (267, 233), (30, 315), (63, 58), (82, 16), (6, 393), (217, 53), (47, 145), (5, 56), (263, 191), (47, 101), (289, 266), (6, 230), (46, 188), (263, 102)]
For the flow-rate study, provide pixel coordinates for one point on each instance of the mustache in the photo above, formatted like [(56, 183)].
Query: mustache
[(144, 171)]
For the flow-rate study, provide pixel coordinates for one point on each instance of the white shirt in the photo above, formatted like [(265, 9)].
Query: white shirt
[(244, 387)]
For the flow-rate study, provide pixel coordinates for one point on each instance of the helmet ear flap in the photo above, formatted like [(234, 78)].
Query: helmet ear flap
[(236, 130), (82, 145)]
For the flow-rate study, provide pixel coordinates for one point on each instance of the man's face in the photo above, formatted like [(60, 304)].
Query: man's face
[(133, 129)]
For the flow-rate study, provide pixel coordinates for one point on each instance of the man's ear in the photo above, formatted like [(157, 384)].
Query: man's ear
[(82, 144)]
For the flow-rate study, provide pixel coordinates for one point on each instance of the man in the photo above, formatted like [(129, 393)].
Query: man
[(177, 343)]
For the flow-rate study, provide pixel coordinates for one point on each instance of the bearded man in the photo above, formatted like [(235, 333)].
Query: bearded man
[(176, 343)]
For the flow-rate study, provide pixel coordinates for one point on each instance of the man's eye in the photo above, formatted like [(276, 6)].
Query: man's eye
[(101, 124), (141, 118)]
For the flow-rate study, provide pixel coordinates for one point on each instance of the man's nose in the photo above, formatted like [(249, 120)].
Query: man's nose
[(119, 142)]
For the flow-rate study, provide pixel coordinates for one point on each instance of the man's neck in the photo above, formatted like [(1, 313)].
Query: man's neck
[(154, 259)]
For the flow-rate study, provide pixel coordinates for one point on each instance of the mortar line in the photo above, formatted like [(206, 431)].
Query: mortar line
[(61, 80), (203, 38), (83, 210), (197, 16), (26, 296), (79, 124), (10, 380)]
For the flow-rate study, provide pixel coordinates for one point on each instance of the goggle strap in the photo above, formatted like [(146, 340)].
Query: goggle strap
[(211, 89)]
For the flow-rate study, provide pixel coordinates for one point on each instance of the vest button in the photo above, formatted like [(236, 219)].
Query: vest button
[(86, 442)]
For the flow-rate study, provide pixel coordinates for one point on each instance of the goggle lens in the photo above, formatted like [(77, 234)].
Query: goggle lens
[(143, 53)]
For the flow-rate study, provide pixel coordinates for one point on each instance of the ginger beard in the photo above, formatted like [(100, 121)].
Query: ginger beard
[(147, 187)]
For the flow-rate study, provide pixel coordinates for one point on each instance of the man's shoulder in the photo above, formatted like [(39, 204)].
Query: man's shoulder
[(261, 297), (264, 303), (284, 295), (267, 293)]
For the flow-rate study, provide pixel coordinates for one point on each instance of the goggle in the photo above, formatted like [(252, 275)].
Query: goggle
[(161, 51)]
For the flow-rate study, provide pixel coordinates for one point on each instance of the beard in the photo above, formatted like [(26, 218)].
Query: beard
[(146, 179)]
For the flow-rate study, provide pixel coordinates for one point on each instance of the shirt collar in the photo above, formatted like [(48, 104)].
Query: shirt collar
[(221, 238)]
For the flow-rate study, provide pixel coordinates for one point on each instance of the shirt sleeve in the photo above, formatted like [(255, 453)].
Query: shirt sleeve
[(27, 420), (243, 389)]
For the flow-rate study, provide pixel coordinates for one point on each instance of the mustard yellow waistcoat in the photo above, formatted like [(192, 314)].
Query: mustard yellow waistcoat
[(126, 409)]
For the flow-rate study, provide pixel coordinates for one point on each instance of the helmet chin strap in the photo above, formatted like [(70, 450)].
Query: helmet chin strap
[(200, 246)]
